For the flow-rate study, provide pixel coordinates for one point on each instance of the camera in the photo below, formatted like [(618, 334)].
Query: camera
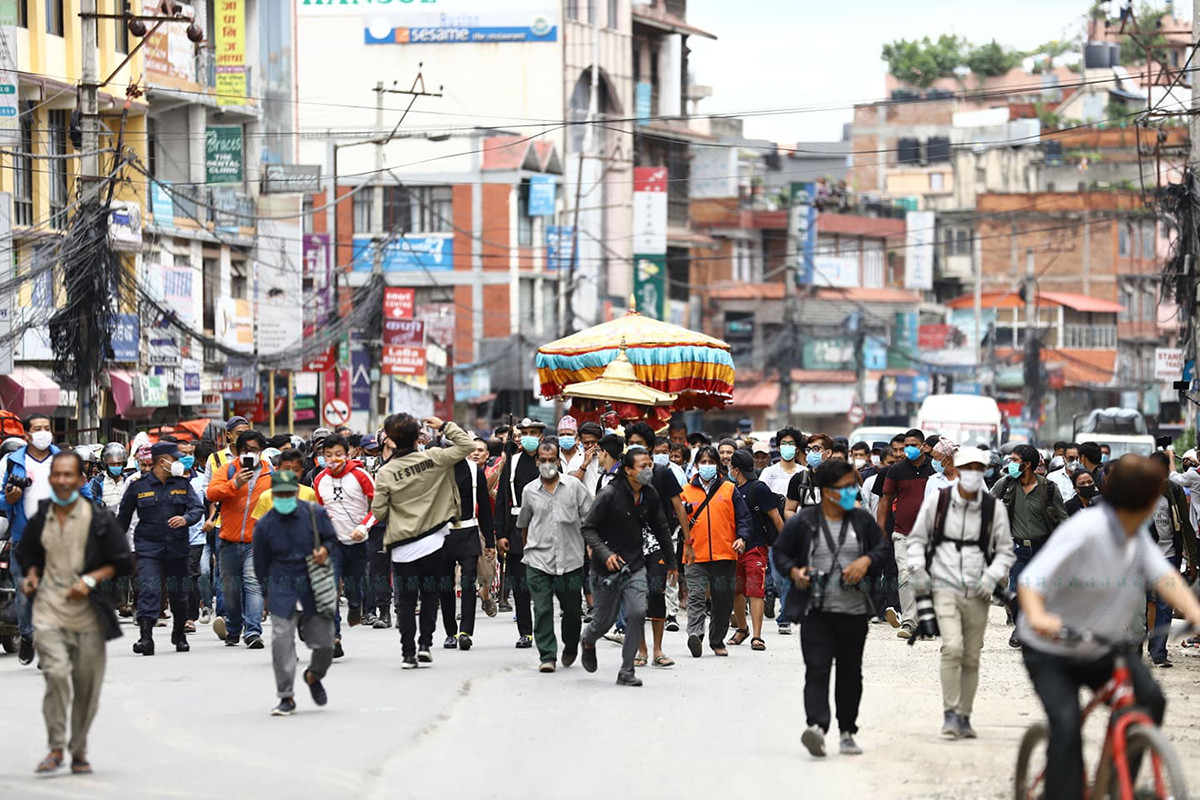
[(17, 482), (612, 580), (818, 583), (927, 627)]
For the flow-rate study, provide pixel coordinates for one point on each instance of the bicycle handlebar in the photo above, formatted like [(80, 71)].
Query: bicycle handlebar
[(1073, 636)]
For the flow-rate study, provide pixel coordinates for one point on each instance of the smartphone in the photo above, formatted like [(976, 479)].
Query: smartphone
[(247, 462)]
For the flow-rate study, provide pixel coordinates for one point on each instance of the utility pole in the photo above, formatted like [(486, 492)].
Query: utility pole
[(1194, 164), (1033, 345), (89, 176), (378, 252), (977, 259)]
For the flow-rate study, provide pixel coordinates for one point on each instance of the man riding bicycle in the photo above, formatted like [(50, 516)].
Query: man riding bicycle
[(1092, 575)]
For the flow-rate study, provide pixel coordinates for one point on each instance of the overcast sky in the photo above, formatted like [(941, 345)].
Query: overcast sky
[(817, 54)]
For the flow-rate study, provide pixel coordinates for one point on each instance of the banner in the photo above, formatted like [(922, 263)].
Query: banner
[(10, 126), (650, 210), (650, 285), (560, 247), (918, 260), (169, 56), (231, 52), (433, 253), (403, 360), (541, 195), (398, 302), (404, 332), (223, 154), (162, 204)]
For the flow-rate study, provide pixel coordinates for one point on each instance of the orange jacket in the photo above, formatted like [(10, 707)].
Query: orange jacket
[(237, 504), (724, 519)]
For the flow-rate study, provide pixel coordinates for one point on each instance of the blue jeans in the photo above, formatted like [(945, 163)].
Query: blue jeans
[(1024, 556), (350, 563), (1161, 626), (24, 606), (210, 581), (241, 589), (783, 585)]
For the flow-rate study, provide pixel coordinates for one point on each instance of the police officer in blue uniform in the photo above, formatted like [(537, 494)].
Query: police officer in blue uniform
[(166, 507)]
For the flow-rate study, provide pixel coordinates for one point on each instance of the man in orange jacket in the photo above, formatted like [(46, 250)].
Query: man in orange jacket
[(720, 527), (237, 487)]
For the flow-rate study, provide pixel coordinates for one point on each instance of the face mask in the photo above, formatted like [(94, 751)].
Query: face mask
[(859, 463), (321, 461), (939, 468), (662, 459), (548, 471), (787, 452), (285, 504), (529, 443), (71, 498), (971, 480), (255, 458), (912, 452), (847, 497), (115, 471), (188, 462), (876, 461), (989, 472), (1014, 469), (41, 440), (813, 459), (644, 476), (335, 464), (371, 462), (566, 442), (707, 471), (176, 469), (1087, 492), (1104, 458)]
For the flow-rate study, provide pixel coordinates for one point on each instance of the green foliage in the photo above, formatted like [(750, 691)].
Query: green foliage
[(1133, 46), (1050, 120), (922, 62), (991, 59), (1118, 112)]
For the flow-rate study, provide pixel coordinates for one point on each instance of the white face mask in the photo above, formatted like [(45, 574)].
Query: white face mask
[(41, 440), (971, 480), (177, 469), (876, 461), (859, 463)]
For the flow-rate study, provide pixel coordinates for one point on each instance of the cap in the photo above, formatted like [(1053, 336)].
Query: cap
[(165, 449), (761, 447), (745, 424), (369, 443), (143, 451), (568, 423), (531, 423), (321, 433), (235, 422), (1190, 455), (970, 455), (284, 482), (944, 447), (880, 446), (743, 462)]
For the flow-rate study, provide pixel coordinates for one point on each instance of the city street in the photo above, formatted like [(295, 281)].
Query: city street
[(486, 724)]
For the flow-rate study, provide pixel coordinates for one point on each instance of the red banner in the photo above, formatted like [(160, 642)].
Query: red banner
[(227, 385), (323, 362), (337, 384), (403, 332), (403, 360), (650, 179), (398, 303), (250, 409)]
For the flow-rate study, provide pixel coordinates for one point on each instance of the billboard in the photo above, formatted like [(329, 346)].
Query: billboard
[(433, 253), (650, 210), (444, 21), (918, 261)]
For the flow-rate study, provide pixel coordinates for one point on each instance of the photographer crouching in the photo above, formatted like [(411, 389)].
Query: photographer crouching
[(830, 572), (960, 550)]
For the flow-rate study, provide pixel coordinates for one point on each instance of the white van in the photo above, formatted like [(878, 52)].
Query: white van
[(967, 419), (874, 434)]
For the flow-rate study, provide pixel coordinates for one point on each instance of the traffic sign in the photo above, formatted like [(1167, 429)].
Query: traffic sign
[(336, 412), (856, 414)]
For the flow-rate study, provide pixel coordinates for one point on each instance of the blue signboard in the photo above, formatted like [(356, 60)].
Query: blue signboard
[(560, 246), (162, 204), (874, 353), (642, 98), (539, 31), (803, 222), (125, 338), (360, 378), (407, 254), (541, 196)]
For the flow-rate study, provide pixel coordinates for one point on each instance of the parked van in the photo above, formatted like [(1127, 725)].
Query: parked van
[(968, 419), (1122, 429)]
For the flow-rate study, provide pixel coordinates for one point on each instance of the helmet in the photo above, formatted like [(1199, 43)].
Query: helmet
[(114, 451), (271, 454), (86, 453), (11, 444), (320, 434), (297, 442)]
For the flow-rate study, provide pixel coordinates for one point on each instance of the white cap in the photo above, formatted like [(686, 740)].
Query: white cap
[(970, 455), (1190, 455)]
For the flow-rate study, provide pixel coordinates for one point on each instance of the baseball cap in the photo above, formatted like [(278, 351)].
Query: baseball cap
[(284, 482), (970, 455), (235, 422), (1190, 455), (165, 449), (744, 463), (745, 425), (761, 447), (369, 443)]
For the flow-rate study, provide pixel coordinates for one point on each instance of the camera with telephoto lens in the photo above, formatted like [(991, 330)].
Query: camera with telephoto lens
[(1006, 597), (17, 482), (818, 584), (612, 580), (927, 627)]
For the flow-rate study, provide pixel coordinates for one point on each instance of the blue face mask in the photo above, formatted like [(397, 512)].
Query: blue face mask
[(912, 452), (1104, 458), (529, 443), (939, 467), (71, 498), (707, 471), (848, 497), (989, 472), (1014, 469), (187, 462), (787, 452), (321, 461), (566, 442), (285, 504), (115, 470), (662, 459), (813, 459)]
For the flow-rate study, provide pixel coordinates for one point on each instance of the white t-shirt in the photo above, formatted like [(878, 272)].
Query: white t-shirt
[(39, 490), (408, 553), (777, 478)]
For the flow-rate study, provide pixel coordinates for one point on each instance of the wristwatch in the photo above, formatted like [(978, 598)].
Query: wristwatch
[(88, 581)]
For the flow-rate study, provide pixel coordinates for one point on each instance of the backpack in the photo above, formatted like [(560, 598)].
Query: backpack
[(760, 514), (984, 543), (10, 425), (1048, 489)]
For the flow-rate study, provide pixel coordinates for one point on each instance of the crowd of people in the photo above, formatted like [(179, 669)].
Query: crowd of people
[(611, 525)]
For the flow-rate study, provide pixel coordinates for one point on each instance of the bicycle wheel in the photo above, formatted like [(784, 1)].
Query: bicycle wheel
[(1159, 773), (1031, 762)]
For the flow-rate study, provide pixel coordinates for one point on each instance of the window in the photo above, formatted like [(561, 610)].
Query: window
[(524, 221), (54, 17), (23, 171), (22, 13), (1123, 239), (744, 267), (936, 181), (938, 149), (1129, 302), (872, 265), (908, 151), (306, 209), (1148, 243), (212, 289), (1150, 303), (591, 7), (433, 211), (364, 210), (963, 238), (57, 167), (238, 283), (614, 14), (573, 9), (121, 33)]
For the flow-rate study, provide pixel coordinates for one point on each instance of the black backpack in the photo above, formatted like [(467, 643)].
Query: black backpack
[(984, 543)]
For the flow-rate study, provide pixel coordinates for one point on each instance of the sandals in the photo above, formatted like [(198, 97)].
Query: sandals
[(740, 636), (50, 763), (757, 644), (663, 661), (81, 767), (639, 661)]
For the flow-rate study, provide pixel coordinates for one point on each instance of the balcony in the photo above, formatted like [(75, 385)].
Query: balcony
[(1089, 337)]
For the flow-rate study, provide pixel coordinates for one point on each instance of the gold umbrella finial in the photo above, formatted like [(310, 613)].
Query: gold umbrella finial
[(633, 303)]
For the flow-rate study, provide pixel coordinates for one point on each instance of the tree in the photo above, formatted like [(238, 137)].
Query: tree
[(991, 59), (922, 62)]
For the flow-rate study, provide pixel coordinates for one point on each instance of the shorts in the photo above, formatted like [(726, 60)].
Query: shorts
[(752, 573), (656, 580)]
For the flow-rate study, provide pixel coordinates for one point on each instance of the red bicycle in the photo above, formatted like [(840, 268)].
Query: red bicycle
[(1131, 740)]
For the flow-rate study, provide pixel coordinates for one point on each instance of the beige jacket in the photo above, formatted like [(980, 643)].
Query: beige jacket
[(415, 493)]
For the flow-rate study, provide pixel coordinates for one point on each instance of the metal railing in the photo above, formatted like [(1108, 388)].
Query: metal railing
[(1089, 337)]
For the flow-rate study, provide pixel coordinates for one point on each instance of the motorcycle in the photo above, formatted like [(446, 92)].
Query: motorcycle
[(9, 634)]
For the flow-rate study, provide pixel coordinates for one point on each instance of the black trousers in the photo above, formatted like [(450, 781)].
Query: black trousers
[(153, 575), (827, 639), (1057, 681), (413, 579), (516, 579), (458, 552), (195, 553), (380, 597)]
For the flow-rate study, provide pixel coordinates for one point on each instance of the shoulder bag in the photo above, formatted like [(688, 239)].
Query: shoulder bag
[(320, 576)]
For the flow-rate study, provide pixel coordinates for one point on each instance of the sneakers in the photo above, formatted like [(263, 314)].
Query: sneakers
[(319, 696), (233, 640), (424, 656), (628, 680), (907, 629), (525, 642), (25, 651), (589, 658), (220, 629), (369, 619), (951, 726), (205, 616), (785, 629), (813, 740), (384, 620), (1013, 641), (546, 666), (285, 708), (672, 624), (695, 646), (255, 642), (616, 636), (964, 724), (1162, 663), (893, 618), (338, 652), (409, 662), (847, 746), (451, 643), (464, 642)]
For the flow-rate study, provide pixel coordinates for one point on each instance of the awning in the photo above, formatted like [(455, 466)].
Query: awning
[(29, 389), (756, 395), (122, 390)]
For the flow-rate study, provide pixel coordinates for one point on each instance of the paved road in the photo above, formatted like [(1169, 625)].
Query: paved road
[(486, 724)]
